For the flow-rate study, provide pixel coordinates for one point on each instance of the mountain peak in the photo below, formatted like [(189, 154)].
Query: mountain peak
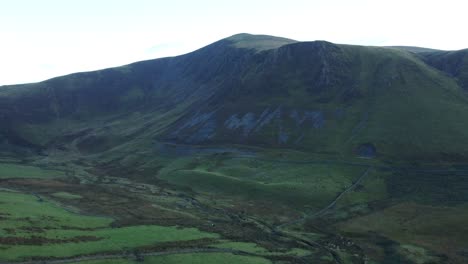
[(258, 42)]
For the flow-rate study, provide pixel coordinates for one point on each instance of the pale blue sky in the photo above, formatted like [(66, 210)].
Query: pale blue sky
[(40, 39)]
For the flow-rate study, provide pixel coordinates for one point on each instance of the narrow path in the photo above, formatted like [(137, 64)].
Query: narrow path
[(278, 229), (329, 206), (290, 236)]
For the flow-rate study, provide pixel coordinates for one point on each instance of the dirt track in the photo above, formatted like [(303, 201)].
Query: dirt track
[(329, 206)]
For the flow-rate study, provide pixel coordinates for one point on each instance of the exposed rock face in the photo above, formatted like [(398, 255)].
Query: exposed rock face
[(281, 126)]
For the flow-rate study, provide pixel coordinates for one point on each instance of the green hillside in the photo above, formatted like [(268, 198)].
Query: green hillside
[(453, 63), (255, 90), (254, 149)]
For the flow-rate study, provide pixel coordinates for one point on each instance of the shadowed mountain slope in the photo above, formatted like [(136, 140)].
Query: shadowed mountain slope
[(454, 63), (256, 90)]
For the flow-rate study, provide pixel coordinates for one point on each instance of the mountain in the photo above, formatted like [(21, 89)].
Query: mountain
[(254, 149), (256, 90)]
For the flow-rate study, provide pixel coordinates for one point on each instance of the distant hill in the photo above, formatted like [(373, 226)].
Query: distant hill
[(414, 49), (454, 63)]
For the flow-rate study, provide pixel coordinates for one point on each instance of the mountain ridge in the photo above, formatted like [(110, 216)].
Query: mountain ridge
[(250, 89)]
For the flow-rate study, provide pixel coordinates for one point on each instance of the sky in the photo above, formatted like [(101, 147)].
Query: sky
[(41, 39)]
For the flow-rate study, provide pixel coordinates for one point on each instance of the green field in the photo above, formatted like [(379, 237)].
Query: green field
[(199, 258), (37, 228), (11, 170), (297, 185), (21, 211)]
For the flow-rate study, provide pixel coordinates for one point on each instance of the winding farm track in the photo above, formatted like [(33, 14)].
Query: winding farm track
[(460, 169), (329, 206)]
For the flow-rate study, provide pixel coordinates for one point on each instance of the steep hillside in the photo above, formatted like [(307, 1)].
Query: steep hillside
[(255, 90), (454, 63), (324, 97), (254, 149)]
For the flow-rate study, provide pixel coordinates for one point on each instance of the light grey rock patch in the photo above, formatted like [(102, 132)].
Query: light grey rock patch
[(316, 117), (246, 123), (266, 118)]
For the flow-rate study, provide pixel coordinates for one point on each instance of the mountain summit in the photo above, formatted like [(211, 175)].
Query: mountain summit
[(258, 42)]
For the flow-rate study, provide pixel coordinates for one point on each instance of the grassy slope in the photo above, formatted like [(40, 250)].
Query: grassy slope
[(440, 229), (296, 185), (409, 111), (453, 63), (414, 111), (258, 42), (388, 97)]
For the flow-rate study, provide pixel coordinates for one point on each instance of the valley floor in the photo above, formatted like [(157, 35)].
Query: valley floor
[(274, 206)]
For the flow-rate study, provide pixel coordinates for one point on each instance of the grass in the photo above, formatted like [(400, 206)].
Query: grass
[(417, 254), (410, 112), (9, 160), (66, 195), (256, 249), (242, 246), (298, 185), (299, 252), (25, 217), (207, 258), (426, 111), (372, 188), (438, 188), (398, 91), (111, 240), (440, 229), (108, 261), (10, 170), (258, 42), (199, 258), (24, 210)]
